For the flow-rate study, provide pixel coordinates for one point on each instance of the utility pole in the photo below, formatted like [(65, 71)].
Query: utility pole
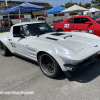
[(83, 2), (71, 1), (6, 2)]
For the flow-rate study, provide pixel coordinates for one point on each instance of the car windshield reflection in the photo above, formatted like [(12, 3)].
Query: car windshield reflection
[(37, 29)]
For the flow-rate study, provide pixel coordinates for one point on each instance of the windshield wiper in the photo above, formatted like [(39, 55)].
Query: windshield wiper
[(40, 34)]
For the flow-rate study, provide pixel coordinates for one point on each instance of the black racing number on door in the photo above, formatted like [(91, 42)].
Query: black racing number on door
[(13, 45)]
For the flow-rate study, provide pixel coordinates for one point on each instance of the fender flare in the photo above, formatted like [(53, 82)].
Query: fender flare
[(6, 42), (55, 56)]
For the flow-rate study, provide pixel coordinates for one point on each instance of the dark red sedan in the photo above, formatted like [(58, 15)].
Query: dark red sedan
[(5, 22)]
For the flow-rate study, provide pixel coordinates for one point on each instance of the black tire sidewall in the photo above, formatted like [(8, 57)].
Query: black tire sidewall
[(4, 49), (60, 30), (57, 68)]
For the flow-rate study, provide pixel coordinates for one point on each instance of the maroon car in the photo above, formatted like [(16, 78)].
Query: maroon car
[(5, 22)]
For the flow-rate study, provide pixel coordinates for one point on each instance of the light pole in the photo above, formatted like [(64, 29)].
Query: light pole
[(83, 2), (6, 2)]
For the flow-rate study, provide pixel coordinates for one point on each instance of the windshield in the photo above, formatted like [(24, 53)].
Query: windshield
[(37, 29), (96, 18)]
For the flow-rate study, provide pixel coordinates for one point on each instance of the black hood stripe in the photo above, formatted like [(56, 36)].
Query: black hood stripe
[(52, 38)]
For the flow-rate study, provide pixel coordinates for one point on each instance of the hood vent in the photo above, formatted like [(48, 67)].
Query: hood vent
[(68, 36), (52, 38), (58, 34)]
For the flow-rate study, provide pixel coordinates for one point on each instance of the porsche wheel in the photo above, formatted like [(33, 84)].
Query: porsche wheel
[(49, 65), (60, 30), (4, 50)]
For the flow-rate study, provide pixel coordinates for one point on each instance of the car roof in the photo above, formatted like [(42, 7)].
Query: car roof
[(83, 16), (24, 23)]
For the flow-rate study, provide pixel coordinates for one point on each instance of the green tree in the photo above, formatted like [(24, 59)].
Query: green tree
[(69, 4), (80, 4), (87, 5), (62, 5), (95, 1)]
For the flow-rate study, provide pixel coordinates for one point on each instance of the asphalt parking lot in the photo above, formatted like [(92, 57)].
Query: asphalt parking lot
[(19, 74)]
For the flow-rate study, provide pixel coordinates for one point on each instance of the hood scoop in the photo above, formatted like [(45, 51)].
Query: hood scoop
[(52, 38), (68, 36), (58, 34)]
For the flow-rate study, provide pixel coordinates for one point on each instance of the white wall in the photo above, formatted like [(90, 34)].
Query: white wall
[(27, 16), (50, 15), (66, 14)]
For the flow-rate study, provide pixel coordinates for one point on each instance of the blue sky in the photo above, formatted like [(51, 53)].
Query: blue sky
[(56, 2), (59, 2)]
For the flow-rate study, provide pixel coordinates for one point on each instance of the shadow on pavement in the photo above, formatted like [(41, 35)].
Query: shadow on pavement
[(28, 60), (85, 76), (88, 74)]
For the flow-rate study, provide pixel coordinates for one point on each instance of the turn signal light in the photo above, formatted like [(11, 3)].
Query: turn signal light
[(73, 69)]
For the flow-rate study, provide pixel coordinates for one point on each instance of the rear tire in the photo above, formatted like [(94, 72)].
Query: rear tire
[(4, 50), (49, 65), (60, 30)]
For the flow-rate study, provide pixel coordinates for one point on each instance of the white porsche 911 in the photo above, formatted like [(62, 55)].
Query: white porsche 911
[(55, 52)]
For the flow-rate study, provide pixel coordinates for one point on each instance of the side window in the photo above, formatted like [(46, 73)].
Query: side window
[(80, 20), (70, 20), (16, 31), (76, 20)]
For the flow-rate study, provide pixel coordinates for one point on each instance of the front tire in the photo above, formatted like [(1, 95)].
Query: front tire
[(49, 65), (4, 50)]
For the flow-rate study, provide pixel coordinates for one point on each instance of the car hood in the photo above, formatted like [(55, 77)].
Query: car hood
[(73, 40)]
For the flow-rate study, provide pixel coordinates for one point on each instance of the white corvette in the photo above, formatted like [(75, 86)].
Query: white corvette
[(55, 52)]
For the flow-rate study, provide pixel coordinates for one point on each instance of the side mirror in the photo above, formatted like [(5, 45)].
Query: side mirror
[(89, 22)]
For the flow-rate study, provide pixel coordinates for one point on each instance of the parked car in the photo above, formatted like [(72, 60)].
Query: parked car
[(5, 22), (54, 51), (25, 20), (40, 18), (86, 23), (56, 21)]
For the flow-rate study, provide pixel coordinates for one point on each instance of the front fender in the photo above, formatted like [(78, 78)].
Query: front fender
[(6, 42), (60, 57)]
